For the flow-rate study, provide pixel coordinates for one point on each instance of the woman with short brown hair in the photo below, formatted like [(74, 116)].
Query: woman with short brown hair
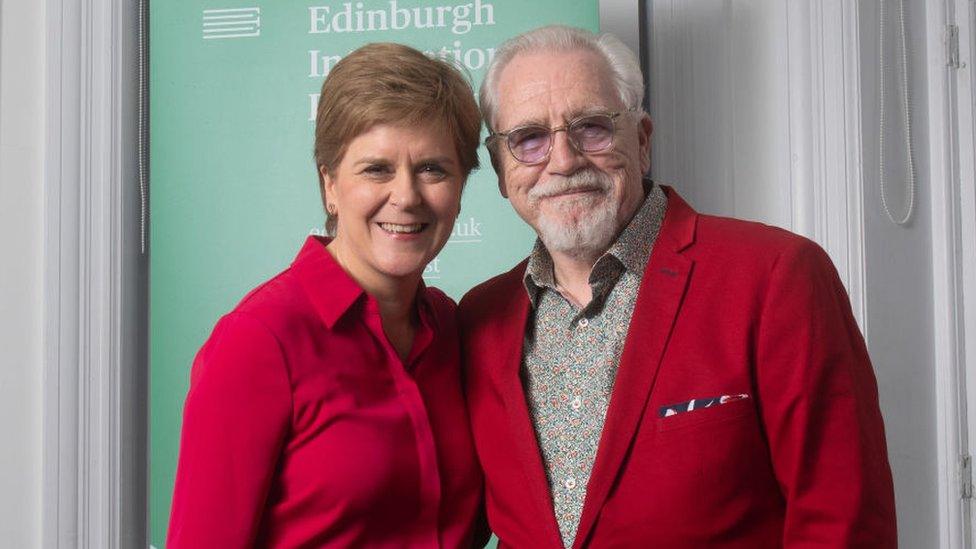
[(325, 409)]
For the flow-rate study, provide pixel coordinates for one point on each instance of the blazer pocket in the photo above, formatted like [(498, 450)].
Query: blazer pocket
[(704, 416)]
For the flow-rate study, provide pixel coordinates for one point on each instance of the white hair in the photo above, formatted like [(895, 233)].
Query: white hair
[(621, 62)]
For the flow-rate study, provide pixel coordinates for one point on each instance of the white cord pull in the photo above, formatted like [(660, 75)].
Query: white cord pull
[(906, 106)]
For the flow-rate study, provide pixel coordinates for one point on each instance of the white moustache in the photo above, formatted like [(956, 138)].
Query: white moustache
[(586, 180)]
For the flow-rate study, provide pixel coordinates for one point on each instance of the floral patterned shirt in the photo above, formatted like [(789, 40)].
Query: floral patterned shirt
[(571, 355)]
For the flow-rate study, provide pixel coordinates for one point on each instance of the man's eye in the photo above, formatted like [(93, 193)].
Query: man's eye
[(594, 125), (530, 137), (589, 127), (529, 143)]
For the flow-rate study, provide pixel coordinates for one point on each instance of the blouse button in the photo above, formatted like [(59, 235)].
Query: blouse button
[(570, 483), (577, 403), (583, 322)]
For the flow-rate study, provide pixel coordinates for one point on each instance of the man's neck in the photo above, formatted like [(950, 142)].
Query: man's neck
[(572, 277), (572, 272)]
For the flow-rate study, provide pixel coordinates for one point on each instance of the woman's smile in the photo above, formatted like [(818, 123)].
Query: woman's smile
[(400, 229)]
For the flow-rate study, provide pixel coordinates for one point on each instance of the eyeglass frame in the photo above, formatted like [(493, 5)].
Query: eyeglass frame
[(613, 115)]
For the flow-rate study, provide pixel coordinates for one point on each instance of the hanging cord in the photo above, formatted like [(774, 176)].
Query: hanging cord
[(906, 106), (143, 129)]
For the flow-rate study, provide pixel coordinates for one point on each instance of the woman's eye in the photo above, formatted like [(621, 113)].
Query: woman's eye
[(433, 170), (376, 169)]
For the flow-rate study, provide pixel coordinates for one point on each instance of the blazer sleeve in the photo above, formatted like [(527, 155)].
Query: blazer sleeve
[(235, 419), (819, 403)]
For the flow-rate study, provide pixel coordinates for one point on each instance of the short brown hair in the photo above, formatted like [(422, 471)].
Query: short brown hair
[(385, 83)]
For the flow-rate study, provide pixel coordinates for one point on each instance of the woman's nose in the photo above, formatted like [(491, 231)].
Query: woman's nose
[(404, 192)]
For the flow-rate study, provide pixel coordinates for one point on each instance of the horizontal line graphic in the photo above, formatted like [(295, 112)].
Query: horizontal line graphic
[(230, 29), (233, 10), (230, 17), (231, 23), (255, 33)]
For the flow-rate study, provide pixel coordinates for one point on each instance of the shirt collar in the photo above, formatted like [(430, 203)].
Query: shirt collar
[(334, 293), (331, 290), (538, 272), (632, 248)]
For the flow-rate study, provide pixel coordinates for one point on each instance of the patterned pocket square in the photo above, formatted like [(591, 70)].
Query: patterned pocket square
[(697, 404)]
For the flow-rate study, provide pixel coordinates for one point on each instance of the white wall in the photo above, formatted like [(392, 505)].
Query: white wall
[(621, 18), (719, 101), (22, 65)]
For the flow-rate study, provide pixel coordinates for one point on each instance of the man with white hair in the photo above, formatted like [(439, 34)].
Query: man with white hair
[(650, 376)]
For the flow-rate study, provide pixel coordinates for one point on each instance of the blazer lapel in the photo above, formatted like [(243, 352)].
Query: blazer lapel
[(508, 380), (658, 302)]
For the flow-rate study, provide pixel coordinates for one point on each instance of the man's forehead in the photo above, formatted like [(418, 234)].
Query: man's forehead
[(533, 87)]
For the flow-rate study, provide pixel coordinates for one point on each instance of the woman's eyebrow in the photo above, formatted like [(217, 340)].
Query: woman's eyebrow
[(436, 160), (372, 160)]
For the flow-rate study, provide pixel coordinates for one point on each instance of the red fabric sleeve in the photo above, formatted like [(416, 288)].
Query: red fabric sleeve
[(235, 419), (819, 402)]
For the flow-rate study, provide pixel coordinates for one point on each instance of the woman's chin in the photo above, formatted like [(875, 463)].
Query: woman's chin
[(403, 260), (401, 266)]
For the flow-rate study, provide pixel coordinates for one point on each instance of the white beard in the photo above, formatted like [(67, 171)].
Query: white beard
[(584, 227)]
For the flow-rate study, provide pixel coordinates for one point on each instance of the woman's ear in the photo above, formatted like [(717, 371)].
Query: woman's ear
[(326, 187), (324, 178)]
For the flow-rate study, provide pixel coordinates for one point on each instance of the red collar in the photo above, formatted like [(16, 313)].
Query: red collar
[(678, 227), (331, 290)]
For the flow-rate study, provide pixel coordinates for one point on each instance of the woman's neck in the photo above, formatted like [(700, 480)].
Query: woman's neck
[(395, 298)]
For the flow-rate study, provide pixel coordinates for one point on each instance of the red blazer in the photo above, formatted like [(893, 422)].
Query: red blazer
[(726, 307)]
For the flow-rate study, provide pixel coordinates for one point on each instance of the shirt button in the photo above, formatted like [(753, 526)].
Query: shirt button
[(577, 403), (570, 483), (583, 322)]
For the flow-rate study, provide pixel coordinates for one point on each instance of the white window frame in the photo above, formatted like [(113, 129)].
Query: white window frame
[(826, 175), (952, 137), (94, 428)]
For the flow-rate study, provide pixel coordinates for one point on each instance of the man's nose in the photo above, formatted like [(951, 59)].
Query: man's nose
[(565, 158)]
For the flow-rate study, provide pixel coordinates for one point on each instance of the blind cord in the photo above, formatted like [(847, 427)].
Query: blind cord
[(906, 106), (143, 129)]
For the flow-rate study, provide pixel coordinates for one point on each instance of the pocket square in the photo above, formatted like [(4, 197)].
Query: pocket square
[(697, 404)]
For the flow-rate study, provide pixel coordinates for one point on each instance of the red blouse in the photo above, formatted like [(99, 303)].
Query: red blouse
[(303, 428)]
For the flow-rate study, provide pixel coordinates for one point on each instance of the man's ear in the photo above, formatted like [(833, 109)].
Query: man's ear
[(644, 130), (496, 163), (501, 184)]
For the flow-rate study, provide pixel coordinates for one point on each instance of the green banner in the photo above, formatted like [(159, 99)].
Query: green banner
[(234, 193)]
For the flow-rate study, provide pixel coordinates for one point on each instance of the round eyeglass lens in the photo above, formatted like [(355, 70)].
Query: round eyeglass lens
[(529, 144), (593, 133)]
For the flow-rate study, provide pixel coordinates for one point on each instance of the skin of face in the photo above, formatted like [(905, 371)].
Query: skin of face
[(552, 89), (397, 192)]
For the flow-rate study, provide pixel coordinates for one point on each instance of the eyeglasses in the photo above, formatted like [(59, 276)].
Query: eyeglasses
[(532, 143)]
